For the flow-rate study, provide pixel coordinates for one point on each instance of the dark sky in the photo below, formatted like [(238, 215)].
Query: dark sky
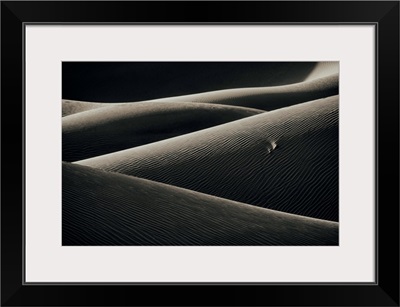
[(134, 81)]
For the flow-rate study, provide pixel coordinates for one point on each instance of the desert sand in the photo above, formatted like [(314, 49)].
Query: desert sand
[(254, 163), (113, 128), (103, 208), (70, 107), (279, 160), (264, 98)]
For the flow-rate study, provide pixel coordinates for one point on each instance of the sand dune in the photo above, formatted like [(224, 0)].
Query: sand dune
[(115, 82), (71, 107), (116, 127), (269, 98), (197, 153), (101, 208), (323, 69), (263, 98), (285, 160)]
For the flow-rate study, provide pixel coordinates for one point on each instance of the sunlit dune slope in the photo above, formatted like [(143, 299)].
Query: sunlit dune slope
[(323, 69), (116, 127), (71, 107)]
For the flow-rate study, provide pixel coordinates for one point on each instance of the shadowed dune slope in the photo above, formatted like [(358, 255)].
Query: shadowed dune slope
[(71, 107), (262, 98), (101, 131), (101, 208), (285, 160)]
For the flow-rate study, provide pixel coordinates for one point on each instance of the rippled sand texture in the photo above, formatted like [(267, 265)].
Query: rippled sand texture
[(109, 129), (120, 209), (239, 166)]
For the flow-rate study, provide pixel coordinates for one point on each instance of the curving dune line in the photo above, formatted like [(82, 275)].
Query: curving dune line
[(101, 208), (134, 81), (263, 98), (269, 98), (72, 106), (108, 129), (285, 160)]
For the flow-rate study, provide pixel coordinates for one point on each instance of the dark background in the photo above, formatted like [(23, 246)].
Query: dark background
[(133, 81)]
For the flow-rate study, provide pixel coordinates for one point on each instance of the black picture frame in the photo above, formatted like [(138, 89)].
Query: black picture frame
[(383, 14)]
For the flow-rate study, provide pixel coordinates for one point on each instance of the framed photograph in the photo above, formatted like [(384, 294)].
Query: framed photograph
[(241, 153)]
